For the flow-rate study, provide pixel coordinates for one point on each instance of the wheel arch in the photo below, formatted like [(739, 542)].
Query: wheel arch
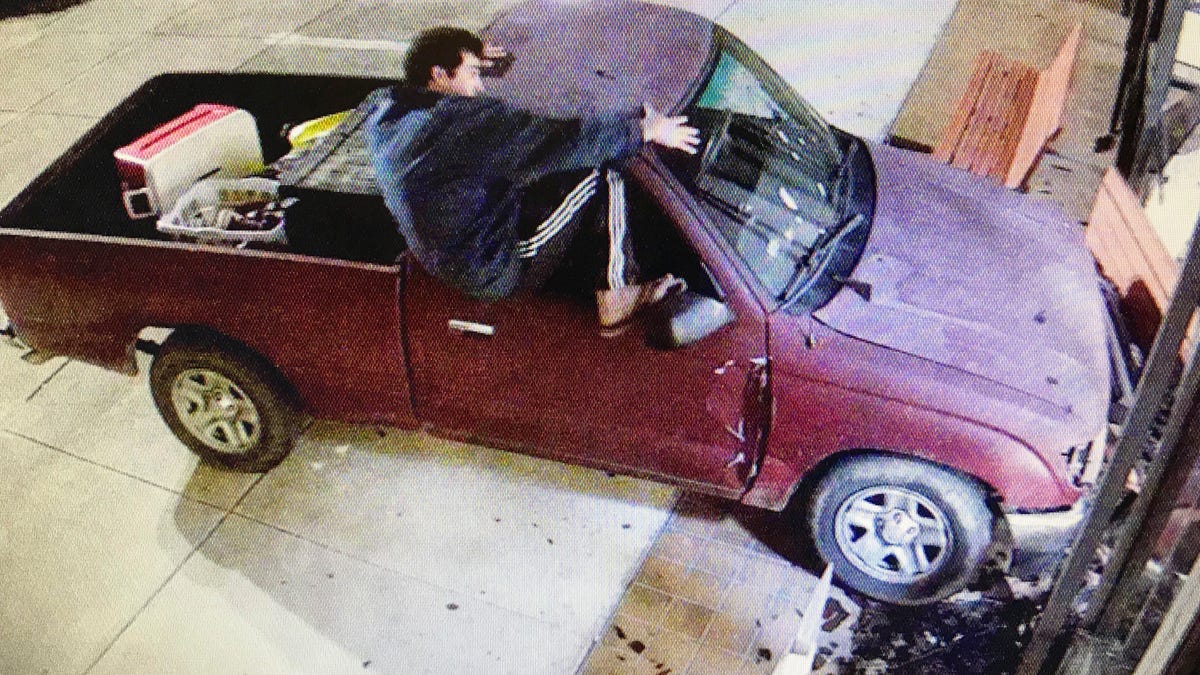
[(1012, 472), (993, 554), (204, 336), (803, 486)]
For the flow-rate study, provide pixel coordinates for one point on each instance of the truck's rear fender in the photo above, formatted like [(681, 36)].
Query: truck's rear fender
[(331, 328)]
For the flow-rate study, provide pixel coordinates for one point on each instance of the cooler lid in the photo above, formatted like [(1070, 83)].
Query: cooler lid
[(167, 134)]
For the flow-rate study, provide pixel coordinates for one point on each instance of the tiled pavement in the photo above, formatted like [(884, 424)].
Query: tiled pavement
[(368, 550), (713, 598)]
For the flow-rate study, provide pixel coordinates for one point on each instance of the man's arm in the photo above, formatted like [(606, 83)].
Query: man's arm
[(566, 145)]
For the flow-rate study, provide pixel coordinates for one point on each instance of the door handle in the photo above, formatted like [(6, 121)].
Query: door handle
[(472, 327)]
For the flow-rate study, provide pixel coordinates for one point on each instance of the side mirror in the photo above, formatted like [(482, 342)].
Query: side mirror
[(686, 318)]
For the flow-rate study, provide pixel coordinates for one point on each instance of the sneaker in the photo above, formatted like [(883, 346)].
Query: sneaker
[(619, 308)]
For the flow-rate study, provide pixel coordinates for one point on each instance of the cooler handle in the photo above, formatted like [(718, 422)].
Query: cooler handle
[(144, 196)]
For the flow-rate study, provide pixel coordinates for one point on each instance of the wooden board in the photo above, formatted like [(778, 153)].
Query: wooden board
[(1131, 255), (1007, 114)]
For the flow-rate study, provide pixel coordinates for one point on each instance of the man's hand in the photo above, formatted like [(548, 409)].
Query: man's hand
[(492, 51), (669, 132), (495, 60)]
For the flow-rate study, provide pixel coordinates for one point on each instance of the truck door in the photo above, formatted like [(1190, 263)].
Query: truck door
[(532, 372)]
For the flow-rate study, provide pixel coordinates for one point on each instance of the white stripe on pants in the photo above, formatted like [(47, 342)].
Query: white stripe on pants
[(616, 230), (571, 205)]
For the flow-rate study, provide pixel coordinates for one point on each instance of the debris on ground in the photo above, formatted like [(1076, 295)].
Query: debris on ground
[(978, 633)]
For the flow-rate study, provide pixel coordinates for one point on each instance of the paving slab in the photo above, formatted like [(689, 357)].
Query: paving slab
[(381, 20), (125, 17), (246, 18), (298, 56), (553, 542), (16, 32), (42, 65), (82, 549), (30, 142), (98, 90), (123, 432), (257, 600), (21, 379), (853, 62), (717, 594)]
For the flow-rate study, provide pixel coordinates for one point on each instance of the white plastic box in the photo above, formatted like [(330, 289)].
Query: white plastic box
[(228, 210), (209, 140)]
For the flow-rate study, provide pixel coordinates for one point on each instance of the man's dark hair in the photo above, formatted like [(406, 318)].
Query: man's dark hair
[(438, 47)]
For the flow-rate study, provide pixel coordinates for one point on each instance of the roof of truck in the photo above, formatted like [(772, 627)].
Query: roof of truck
[(575, 58)]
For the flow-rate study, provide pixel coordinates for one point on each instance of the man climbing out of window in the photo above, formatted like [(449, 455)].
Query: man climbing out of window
[(489, 197)]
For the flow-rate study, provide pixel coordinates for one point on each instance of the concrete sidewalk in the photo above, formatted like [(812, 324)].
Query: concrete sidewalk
[(366, 550)]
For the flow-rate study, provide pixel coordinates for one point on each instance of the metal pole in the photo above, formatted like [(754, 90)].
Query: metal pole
[(1156, 382), (1175, 626), (1133, 66), (1161, 44), (1168, 474)]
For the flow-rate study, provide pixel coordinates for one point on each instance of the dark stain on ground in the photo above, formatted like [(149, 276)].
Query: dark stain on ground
[(639, 647), (978, 633), (835, 615), (821, 658)]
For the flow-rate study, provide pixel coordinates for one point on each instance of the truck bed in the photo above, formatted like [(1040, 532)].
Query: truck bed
[(80, 191), (79, 278)]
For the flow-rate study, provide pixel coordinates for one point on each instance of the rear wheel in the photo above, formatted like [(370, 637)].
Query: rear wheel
[(901, 530), (229, 407)]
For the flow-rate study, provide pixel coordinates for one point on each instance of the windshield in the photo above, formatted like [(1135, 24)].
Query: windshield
[(781, 177)]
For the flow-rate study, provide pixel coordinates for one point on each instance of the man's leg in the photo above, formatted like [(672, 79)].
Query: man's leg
[(552, 215), (549, 228), (619, 298)]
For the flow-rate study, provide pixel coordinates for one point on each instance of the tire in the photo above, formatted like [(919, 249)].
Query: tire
[(227, 405), (898, 530)]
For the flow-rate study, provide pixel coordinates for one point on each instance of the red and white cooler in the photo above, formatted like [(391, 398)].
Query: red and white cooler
[(208, 140)]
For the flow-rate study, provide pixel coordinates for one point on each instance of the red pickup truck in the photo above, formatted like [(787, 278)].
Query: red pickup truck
[(917, 360)]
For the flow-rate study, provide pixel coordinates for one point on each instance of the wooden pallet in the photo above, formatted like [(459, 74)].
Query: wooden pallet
[(1131, 255), (1007, 114)]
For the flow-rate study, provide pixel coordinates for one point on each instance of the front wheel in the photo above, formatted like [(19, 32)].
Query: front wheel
[(228, 407), (901, 530)]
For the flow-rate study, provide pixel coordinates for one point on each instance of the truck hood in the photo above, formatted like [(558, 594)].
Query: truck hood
[(971, 275)]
